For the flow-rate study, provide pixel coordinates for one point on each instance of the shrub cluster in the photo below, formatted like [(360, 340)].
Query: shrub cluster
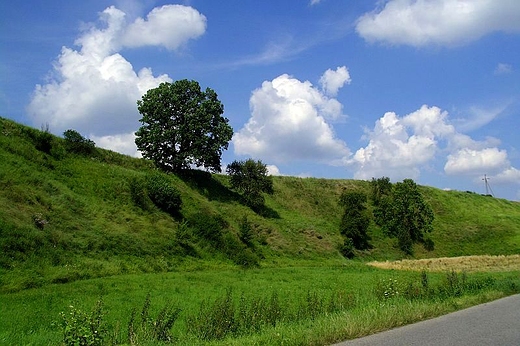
[(76, 143), (163, 195), (155, 189), (213, 229)]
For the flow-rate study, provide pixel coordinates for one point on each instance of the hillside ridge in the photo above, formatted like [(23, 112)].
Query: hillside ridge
[(66, 217)]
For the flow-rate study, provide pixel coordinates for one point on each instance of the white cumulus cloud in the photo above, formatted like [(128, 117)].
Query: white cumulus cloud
[(122, 143), (509, 175), (331, 81), (289, 122), (169, 26), (440, 22), (469, 161), (94, 89), (399, 146)]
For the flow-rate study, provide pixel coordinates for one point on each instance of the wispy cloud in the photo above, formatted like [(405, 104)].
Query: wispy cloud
[(503, 69), (479, 117), (288, 46)]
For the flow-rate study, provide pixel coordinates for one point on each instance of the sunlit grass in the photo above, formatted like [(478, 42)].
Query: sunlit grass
[(461, 264)]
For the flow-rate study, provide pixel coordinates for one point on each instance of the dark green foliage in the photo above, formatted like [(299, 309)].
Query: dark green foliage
[(405, 215), (246, 233), (44, 140), (355, 221), (76, 143), (238, 252), (209, 227), (162, 193), (251, 179), (182, 126), (347, 248), (379, 188), (428, 244)]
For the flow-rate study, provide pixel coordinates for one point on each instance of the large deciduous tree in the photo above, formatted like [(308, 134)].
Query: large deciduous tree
[(182, 126), (405, 214), (250, 178)]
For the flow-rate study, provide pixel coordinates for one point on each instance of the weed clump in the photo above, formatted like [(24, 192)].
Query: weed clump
[(83, 329), (149, 328)]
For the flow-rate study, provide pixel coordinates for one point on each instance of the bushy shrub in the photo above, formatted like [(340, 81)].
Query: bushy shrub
[(209, 227), (76, 143), (163, 194), (347, 249), (44, 140), (246, 233)]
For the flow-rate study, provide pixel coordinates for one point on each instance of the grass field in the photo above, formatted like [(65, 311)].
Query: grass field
[(33, 316), (72, 233)]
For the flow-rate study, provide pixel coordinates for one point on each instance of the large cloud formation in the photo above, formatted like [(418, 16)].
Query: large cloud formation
[(400, 147), (440, 22), (94, 89), (290, 121)]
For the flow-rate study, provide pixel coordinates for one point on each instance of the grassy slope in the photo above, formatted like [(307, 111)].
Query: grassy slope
[(94, 229)]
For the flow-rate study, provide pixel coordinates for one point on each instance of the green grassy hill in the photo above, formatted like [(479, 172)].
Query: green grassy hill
[(65, 217)]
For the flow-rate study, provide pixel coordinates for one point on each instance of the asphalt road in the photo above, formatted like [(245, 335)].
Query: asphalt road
[(495, 324)]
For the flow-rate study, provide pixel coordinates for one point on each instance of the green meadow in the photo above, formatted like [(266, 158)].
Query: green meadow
[(81, 258)]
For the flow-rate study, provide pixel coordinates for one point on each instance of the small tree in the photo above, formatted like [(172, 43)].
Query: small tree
[(76, 143), (251, 179), (182, 126), (406, 215), (355, 221)]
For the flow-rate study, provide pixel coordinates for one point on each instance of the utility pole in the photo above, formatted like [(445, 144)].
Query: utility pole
[(488, 187)]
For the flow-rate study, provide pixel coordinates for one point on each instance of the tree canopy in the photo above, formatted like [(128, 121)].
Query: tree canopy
[(355, 221), (182, 126), (250, 178), (404, 214)]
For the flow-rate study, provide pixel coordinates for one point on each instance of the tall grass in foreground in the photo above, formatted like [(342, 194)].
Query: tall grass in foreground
[(230, 318)]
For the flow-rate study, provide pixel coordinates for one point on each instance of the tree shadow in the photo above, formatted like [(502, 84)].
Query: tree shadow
[(208, 186), (267, 212)]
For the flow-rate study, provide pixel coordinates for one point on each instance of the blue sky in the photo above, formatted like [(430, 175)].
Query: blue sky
[(421, 89)]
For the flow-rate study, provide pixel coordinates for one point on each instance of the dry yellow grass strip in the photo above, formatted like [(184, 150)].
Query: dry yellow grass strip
[(465, 263)]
